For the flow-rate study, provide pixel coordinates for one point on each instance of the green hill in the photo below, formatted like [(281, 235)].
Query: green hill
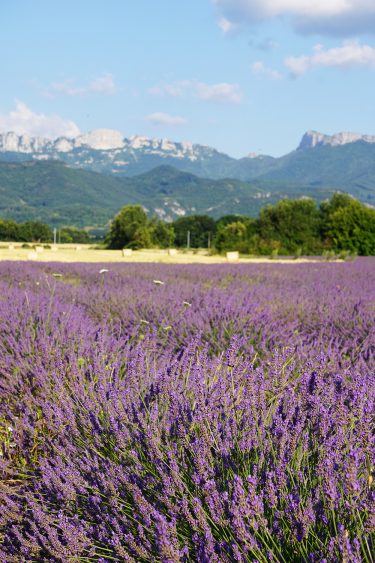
[(349, 168), (56, 194), (52, 192)]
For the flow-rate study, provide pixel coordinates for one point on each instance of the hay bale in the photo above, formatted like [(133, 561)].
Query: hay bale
[(127, 251), (11, 247), (233, 256), (172, 251), (39, 249)]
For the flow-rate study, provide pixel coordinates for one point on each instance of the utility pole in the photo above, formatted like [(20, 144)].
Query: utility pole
[(54, 235), (188, 240), (209, 241)]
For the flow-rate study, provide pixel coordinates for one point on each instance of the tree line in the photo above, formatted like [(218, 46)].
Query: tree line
[(288, 227), (35, 231)]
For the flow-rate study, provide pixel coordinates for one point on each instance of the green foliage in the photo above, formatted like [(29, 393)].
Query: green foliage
[(71, 235), (142, 238), (236, 232), (232, 237), (227, 219), (35, 231), (349, 168), (54, 193), (163, 234), (31, 231), (201, 227), (289, 227), (294, 223), (329, 255), (274, 253), (352, 228), (347, 225), (9, 230), (297, 253), (129, 228)]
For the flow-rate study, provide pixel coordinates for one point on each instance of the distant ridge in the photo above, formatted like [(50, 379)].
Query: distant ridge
[(100, 140), (108, 152), (85, 180), (57, 194), (313, 139), (113, 141)]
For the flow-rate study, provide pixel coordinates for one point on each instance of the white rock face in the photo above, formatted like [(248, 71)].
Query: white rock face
[(63, 144), (313, 139), (108, 140), (11, 142), (138, 142), (101, 139), (167, 145), (22, 143)]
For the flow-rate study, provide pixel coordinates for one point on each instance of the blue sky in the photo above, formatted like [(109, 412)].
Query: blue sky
[(240, 75)]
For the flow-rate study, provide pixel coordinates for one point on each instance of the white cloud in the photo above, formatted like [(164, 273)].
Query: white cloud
[(159, 118), (223, 92), (175, 89), (225, 25), (100, 85), (260, 69), (339, 17), (103, 84), (350, 54), (24, 121)]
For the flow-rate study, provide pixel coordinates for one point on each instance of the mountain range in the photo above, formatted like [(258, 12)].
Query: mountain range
[(83, 181)]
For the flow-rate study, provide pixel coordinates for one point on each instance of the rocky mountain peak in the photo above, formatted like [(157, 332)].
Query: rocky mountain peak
[(101, 139), (313, 139)]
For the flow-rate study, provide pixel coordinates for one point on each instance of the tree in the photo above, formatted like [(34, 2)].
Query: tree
[(240, 233), (163, 234), (129, 229), (352, 227), (35, 231), (9, 230), (337, 201), (231, 237), (232, 218), (70, 234), (293, 223), (201, 228)]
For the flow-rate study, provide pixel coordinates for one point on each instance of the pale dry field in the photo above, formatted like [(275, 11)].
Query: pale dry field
[(86, 253)]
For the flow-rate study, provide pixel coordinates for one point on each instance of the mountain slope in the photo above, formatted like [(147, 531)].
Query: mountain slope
[(344, 160), (350, 168), (106, 151), (36, 185), (59, 195)]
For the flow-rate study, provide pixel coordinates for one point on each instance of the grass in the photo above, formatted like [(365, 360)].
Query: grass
[(88, 253)]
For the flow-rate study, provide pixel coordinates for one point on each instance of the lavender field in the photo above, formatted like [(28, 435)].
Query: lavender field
[(187, 413)]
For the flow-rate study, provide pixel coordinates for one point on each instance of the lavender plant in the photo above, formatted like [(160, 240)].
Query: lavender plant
[(225, 414)]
